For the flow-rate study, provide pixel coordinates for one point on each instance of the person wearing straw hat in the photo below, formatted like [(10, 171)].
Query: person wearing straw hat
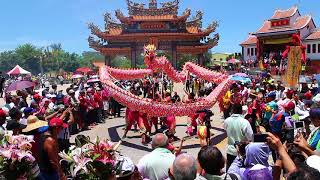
[(34, 123), (35, 127)]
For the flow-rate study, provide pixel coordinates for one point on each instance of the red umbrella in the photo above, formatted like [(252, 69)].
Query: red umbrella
[(233, 61), (19, 85), (84, 70)]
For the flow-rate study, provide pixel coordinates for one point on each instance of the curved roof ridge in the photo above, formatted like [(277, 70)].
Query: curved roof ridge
[(284, 13)]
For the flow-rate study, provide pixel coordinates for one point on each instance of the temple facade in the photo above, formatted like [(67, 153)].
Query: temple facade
[(156, 24), (276, 33)]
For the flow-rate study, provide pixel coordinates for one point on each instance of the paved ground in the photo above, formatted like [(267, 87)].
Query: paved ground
[(132, 147)]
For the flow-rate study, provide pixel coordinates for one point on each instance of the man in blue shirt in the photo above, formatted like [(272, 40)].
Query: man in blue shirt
[(270, 109)]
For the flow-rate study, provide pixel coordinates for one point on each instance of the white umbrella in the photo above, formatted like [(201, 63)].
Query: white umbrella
[(77, 76)]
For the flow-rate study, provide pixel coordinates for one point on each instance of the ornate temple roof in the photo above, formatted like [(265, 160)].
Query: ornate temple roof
[(139, 9), (281, 14), (298, 24), (143, 24), (251, 40), (315, 35), (115, 33)]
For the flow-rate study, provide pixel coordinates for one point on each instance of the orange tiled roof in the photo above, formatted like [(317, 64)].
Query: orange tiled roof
[(193, 29), (151, 18), (115, 31), (280, 14), (314, 35), (300, 23), (251, 40)]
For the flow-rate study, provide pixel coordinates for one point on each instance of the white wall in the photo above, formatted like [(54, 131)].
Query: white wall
[(311, 55), (247, 57)]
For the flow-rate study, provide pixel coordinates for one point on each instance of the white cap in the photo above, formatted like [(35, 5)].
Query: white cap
[(314, 162)]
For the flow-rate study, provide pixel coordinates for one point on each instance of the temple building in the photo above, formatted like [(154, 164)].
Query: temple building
[(156, 24), (276, 33)]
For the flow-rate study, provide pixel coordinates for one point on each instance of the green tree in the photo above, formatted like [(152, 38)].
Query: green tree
[(8, 59), (121, 62), (27, 56), (89, 56)]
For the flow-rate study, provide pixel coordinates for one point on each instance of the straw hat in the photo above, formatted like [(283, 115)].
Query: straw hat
[(34, 123)]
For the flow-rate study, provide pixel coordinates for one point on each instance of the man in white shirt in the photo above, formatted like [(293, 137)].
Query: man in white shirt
[(155, 165), (238, 130)]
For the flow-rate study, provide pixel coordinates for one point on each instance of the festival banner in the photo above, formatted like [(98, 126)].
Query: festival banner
[(291, 77)]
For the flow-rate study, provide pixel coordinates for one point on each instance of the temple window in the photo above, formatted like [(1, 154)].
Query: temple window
[(251, 51), (314, 48), (255, 51), (248, 51), (318, 48), (308, 48)]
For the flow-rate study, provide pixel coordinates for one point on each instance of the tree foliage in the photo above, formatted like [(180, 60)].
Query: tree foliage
[(55, 59)]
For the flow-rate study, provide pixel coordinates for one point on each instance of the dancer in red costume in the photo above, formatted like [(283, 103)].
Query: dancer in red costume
[(170, 120), (141, 119)]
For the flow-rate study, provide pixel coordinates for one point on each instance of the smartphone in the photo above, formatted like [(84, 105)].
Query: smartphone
[(260, 138), (290, 135), (299, 127)]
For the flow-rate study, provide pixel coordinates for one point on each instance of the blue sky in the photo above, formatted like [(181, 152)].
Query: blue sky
[(43, 22)]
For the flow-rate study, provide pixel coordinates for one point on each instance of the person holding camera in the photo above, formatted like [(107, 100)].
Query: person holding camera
[(311, 146), (238, 130)]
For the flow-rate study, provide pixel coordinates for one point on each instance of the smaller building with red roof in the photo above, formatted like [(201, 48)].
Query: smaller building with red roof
[(276, 33)]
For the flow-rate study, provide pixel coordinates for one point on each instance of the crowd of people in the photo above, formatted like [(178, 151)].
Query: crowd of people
[(272, 131)]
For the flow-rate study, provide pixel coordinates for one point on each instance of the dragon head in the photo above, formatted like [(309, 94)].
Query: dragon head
[(150, 51)]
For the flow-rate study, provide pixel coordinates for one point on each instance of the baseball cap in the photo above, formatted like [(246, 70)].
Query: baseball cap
[(272, 94), (36, 96), (290, 92), (57, 122), (71, 91), (29, 110), (13, 124), (290, 105), (3, 113), (308, 95)]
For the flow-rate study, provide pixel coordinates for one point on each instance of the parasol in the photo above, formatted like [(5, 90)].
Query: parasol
[(233, 61), (84, 70), (242, 75), (94, 80), (77, 76), (19, 85), (241, 79)]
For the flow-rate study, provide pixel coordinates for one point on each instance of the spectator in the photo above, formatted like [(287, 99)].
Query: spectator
[(3, 116), (15, 126), (183, 168), (312, 145), (212, 162), (255, 162), (155, 165), (238, 130), (49, 159), (306, 173)]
